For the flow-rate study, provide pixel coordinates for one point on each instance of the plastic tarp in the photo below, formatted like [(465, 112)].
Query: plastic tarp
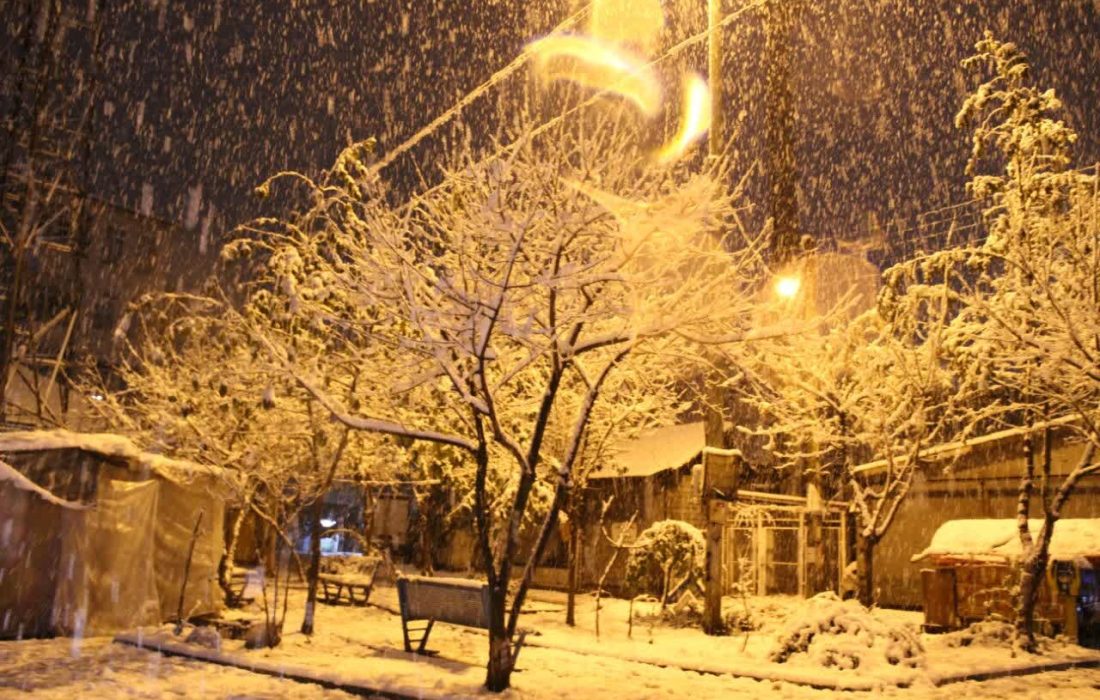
[(30, 538), (177, 512), (107, 579)]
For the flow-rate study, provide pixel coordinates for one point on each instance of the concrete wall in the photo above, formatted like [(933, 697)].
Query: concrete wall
[(986, 488)]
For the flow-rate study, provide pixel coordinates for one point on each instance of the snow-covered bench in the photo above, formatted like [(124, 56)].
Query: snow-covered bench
[(453, 600), (355, 585)]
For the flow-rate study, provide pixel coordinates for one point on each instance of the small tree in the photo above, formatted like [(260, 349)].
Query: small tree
[(636, 401), (1023, 334), (835, 401)]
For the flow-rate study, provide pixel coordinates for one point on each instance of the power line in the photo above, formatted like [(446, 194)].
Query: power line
[(467, 99)]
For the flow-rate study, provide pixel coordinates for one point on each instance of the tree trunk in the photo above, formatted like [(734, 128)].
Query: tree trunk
[(225, 572), (499, 673), (865, 569), (312, 575), (571, 582), (1025, 613), (1032, 573)]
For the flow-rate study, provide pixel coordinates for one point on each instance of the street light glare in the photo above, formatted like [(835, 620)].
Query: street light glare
[(787, 287)]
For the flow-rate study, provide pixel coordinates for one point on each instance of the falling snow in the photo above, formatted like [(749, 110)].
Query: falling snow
[(773, 319)]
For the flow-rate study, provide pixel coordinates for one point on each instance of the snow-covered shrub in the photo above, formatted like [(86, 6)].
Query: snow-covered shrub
[(842, 634), (990, 633), (205, 637), (664, 555), (740, 620)]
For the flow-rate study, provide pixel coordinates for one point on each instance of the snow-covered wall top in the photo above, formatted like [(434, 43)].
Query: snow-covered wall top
[(107, 445), (1000, 539)]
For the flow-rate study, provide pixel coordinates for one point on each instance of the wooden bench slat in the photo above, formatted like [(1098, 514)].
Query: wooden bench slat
[(455, 601)]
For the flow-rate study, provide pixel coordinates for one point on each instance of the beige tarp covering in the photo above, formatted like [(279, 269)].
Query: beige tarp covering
[(178, 509), (106, 580), (30, 532), (113, 561)]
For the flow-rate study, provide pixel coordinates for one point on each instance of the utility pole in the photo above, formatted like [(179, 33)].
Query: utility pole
[(786, 244), (780, 20), (719, 467), (714, 75)]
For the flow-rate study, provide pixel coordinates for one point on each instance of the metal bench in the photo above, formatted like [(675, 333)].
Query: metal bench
[(354, 587), (452, 600)]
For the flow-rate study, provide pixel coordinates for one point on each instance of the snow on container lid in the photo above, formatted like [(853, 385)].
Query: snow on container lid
[(999, 540)]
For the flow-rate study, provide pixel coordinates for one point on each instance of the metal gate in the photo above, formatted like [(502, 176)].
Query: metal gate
[(764, 545)]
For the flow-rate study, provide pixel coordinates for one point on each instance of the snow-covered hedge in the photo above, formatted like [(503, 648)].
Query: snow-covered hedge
[(663, 555), (842, 634)]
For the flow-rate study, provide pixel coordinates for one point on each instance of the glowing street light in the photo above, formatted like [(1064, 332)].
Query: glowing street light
[(787, 286)]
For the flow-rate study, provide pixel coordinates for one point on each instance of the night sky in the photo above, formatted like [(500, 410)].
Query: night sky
[(203, 99)]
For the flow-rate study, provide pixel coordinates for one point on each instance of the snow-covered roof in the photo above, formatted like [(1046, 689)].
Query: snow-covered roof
[(999, 539), (105, 444), (655, 451), (11, 475)]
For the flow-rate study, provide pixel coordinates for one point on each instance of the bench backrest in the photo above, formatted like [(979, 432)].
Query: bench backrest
[(457, 601)]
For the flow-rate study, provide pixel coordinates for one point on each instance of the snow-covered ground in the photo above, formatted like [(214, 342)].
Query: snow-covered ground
[(59, 669), (364, 645)]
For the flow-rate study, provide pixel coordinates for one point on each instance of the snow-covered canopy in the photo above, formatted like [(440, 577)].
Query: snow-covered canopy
[(999, 539), (107, 445), (10, 475), (668, 447)]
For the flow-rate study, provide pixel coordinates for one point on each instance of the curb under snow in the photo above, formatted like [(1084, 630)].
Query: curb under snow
[(803, 677), (300, 674)]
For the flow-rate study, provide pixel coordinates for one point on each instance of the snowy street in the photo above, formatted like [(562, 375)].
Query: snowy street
[(97, 668), (363, 646), (100, 669)]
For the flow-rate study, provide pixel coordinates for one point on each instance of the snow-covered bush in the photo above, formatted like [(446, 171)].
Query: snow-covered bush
[(990, 633), (842, 634), (664, 555)]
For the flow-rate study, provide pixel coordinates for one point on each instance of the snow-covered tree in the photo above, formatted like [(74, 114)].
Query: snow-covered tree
[(519, 280), (852, 395), (191, 382), (666, 553), (1023, 335)]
